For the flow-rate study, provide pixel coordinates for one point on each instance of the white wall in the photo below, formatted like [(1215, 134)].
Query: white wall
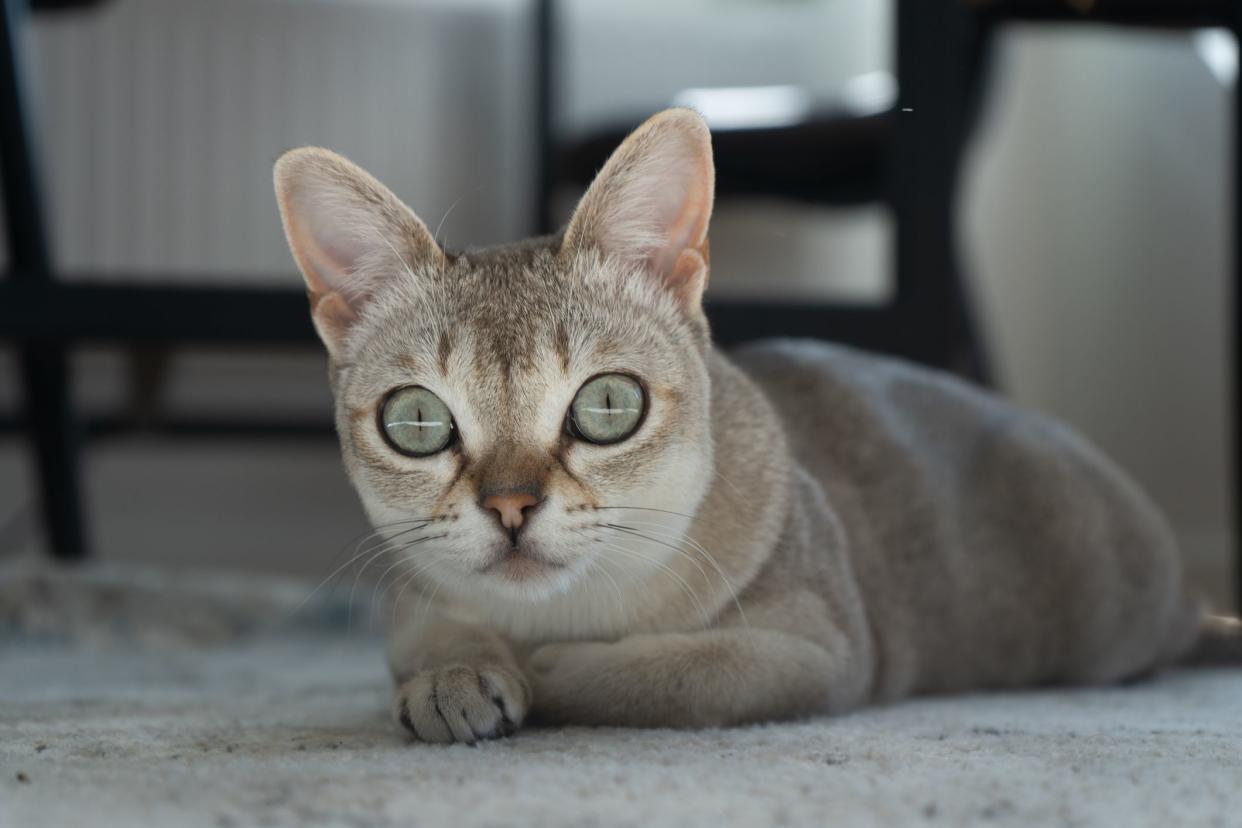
[(1097, 214)]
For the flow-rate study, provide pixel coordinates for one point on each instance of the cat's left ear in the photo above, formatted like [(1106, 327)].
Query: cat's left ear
[(651, 203), (348, 234)]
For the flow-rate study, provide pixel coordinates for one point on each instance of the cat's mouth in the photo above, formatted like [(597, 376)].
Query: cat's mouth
[(519, 562)]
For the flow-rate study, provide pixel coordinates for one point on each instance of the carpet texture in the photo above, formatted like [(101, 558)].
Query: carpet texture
[(131, 699)]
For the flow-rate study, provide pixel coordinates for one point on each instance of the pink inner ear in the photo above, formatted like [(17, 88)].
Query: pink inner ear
[(333, 317), (335, 260), (348, 234), (663, 199), (651, 203), (687, 230), (329, 238), (687, 277)]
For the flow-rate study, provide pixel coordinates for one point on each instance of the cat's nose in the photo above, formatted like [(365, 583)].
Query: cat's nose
[(510, 507)]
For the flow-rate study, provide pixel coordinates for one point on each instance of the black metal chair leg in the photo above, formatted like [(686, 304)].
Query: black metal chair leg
[(545, 112), (50, 423), (940, 53), (54, 438)]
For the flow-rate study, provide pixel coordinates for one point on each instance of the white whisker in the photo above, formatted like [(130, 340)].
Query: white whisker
[(657, 528), (364, 539), (672, 573)]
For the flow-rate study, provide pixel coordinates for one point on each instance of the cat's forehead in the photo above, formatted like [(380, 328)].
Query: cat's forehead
[(504, 301), (508, 317)]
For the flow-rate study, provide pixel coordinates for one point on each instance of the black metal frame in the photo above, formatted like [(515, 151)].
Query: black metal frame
[(43, 358), (125, 313), (1152, 13)]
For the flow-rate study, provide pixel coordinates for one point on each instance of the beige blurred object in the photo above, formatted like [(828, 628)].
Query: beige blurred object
[(1097, 221)]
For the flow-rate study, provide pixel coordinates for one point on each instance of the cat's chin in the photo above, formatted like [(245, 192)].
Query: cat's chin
[(521, 564)]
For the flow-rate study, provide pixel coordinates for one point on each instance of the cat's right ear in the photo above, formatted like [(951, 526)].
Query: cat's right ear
[(348, 234), (650, 205)]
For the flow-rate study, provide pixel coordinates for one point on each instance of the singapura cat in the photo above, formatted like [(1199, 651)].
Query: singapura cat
[(605, 520)]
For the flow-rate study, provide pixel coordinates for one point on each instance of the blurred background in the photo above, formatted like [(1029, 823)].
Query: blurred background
[(1043, 191)]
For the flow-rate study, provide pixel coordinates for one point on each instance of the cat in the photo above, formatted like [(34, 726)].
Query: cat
[(603, 520)]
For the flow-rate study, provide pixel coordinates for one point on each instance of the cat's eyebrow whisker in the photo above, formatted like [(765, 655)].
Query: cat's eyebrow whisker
[(658, 529), (439, 225)]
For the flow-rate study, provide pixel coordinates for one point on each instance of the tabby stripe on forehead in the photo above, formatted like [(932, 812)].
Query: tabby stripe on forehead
[(443, 350), (561, 343)]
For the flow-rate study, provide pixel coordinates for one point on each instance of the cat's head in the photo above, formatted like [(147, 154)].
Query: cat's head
[(518, 418)]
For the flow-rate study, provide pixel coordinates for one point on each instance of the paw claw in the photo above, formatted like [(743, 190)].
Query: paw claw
[(483, 703)]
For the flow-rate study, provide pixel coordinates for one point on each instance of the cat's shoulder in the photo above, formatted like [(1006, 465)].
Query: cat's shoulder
[(816, 361), (817, 384), (797, 372)]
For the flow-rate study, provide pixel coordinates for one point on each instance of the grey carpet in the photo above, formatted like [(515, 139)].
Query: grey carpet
[(134, 698)]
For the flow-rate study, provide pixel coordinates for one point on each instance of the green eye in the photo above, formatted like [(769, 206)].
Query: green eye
[(607, 409), (416, 422)]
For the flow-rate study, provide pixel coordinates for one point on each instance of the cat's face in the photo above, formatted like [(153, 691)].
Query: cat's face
[(530, 418)]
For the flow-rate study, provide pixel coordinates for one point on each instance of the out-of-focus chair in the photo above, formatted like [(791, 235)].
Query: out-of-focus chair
[(905, 155)]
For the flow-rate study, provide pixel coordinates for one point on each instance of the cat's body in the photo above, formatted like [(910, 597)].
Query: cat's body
[(940, 491), (917, 536), (602, 520)]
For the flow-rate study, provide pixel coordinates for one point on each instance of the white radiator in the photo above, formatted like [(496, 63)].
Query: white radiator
[(159, 120)]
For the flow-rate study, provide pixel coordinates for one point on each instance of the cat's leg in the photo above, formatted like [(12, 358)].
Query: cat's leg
[(710, 678), (456, 683)]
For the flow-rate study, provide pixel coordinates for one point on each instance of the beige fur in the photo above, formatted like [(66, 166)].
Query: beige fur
[(799, 529)]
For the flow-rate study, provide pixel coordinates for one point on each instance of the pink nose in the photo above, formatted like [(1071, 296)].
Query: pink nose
[(510, 507)]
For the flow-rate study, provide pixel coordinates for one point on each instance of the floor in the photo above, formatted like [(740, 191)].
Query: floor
[(132, 697)]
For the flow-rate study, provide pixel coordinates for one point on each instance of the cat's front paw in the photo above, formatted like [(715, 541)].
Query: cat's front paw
[(462, 704)]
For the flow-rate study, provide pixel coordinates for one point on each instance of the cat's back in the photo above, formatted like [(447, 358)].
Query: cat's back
[(839, 399), (1003, 524)]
